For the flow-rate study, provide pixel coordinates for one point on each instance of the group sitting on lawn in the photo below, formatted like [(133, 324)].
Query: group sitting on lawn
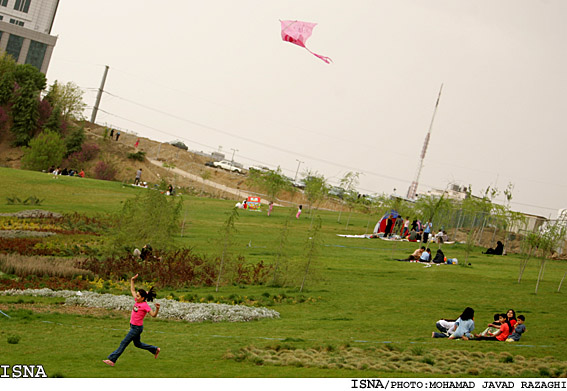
[(423, 255), (505, 327)]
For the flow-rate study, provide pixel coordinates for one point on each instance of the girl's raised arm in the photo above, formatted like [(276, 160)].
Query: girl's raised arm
[(132, 287)]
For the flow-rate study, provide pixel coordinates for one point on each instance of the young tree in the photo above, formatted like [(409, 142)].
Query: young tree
[(282, 254), (149, 218), (273, 182), (69, 98), (45, 150), (315, 188), (313, 247), (227, 231)]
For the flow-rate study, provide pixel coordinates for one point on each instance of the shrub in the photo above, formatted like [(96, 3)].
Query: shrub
[(105, 171), (75, 140), (23, 266), (139, 156), (47, 149), (13, 339), (88, 152)]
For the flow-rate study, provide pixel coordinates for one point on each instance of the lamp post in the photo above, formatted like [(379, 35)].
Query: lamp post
[(298, 164)]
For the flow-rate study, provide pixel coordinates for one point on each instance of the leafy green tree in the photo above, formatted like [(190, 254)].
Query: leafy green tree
[(315, 188), (7, 63), (273, 182), (45, 150), (69, 98), (26, 73), (25, 113), (7, 82), (149, 218), (55, 121), (74, 142)]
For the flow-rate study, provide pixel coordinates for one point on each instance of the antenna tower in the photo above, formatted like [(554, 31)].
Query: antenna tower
[(412, 191)]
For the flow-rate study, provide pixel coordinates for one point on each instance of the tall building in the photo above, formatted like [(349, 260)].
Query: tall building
[(25, 28)]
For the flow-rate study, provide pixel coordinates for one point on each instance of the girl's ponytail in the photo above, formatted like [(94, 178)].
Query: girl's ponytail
[(149, 295)]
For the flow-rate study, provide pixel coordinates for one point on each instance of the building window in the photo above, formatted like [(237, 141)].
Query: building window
[(36, 54), (4, 3), (14, 46), (22, 5), (17, 22)]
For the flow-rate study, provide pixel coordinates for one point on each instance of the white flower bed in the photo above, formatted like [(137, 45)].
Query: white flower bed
[(171, 309)]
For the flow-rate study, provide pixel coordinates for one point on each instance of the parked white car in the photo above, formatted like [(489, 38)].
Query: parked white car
[(227, 165)]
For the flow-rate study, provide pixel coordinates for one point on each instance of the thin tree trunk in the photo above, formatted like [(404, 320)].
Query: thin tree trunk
[(523, 265), (479, 238), (348, 221), (540, 276), (561, 283)]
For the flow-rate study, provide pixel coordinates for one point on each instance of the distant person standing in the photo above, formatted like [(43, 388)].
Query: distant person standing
[(270, 207), (117, 135), (299, 211), (138, 177), (111, 133), (137, 143), (427, 231)]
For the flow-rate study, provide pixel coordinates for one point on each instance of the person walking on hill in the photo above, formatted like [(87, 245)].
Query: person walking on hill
[(138, 177)]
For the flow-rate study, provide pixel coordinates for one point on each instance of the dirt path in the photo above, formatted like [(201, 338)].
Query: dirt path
[(239, 193)]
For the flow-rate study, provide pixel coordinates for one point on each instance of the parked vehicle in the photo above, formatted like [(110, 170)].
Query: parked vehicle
[(210, 164), (337, 191), (227, 165)]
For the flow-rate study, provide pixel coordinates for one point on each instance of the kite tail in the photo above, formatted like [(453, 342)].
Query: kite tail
[(326, 59)]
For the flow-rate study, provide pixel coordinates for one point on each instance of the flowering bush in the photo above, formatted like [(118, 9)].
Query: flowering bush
[(170, 309), (105, 171)]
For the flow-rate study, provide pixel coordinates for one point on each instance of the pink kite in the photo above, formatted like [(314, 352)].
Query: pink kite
[(297, 33)]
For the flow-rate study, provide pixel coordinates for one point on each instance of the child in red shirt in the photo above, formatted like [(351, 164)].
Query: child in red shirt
[(139, 311)]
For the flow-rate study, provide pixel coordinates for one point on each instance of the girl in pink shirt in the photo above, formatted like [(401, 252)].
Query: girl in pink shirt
[(139, 311)]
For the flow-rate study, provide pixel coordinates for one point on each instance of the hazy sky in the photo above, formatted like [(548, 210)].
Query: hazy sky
[(216, 74)]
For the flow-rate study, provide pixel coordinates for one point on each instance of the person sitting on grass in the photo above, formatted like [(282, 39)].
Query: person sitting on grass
[(465, 325), (426, 256), (511, 316), (415, 256), (414, 236), (439, 257), (446, 328), (492, 327), (501, 334), (499, 250), (519, 330)]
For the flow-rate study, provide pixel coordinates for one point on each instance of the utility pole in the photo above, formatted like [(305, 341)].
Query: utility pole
[(99, 95), (296, 171), (412, 191), (233, 151)]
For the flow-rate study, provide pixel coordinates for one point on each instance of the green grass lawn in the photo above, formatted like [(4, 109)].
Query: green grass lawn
[(367, 309)]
